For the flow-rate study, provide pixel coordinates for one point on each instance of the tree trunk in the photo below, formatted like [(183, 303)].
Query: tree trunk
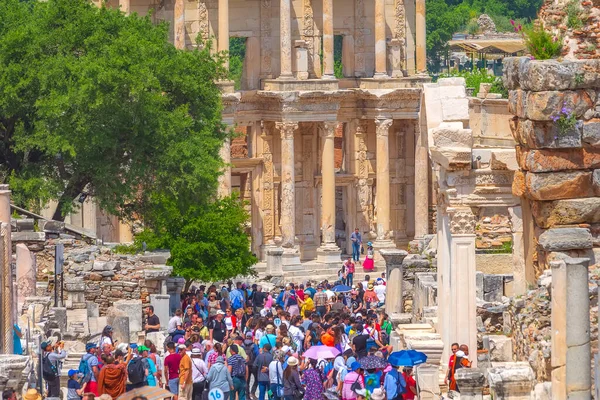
[(71, 191), (186, 287)]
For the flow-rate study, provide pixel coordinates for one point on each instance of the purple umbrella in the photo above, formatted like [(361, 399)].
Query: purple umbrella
[(321, 352)]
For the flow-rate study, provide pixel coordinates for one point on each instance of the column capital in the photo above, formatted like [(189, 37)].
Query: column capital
[(287, 129), (462, 221), (361, 127), (383, 126), (327, 129)]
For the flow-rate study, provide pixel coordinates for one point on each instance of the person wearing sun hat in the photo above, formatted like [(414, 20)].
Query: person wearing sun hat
[(32, 394), (74, 389), (56, 354), (292, 386), (92, 363), (354, 376)]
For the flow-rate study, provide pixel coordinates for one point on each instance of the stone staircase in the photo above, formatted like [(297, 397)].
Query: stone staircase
[(318, 272)]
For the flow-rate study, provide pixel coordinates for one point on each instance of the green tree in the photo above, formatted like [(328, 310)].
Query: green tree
[(208, 243), (94, 102)]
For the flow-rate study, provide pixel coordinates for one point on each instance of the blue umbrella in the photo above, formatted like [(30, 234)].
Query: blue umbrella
[(341, 288), (407, 358)]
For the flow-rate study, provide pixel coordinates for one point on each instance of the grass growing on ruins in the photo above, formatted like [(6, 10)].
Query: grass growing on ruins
[(475, 78)]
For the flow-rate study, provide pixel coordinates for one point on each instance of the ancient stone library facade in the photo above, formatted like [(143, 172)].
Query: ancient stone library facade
[(319, 156)]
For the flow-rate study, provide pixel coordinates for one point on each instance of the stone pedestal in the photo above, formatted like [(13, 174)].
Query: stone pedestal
[(329, 254), (470, 383), (75, 293), (396, 53), (133, 309), (300, 64), (26, 274), (274, 261), (161, 307), (571, 371), (513, 382), (174, 288), (290, 259), (393, 263), (120, 325), (59, 317)]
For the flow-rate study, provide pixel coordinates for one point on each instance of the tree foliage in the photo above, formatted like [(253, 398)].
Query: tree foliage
[(207, 243), (93, 101)]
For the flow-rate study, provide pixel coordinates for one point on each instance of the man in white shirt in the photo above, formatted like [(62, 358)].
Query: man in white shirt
[(175, 321), (330, 294), (380, 291), (365, 283)]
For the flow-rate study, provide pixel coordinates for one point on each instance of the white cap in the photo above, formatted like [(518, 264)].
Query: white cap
[(285, 349), (460, 353), (220, 312)]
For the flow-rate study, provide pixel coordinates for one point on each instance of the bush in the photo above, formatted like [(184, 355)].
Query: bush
[(474, 78), (541, 43), (574, 15)]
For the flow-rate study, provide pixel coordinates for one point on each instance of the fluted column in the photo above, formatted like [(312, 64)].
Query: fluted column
[(285, 33), (380, 44), (329, 251), (223, 39), (421, 44), (383, 179), (179, 24), (328, 60), (288, 184)]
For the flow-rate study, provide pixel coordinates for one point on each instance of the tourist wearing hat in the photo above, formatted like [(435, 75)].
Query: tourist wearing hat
[(291, 301), (199, 373), (219, 377), (54, 355), (185, 374), (91, 378), (292, 387), (370, 297), (74, 389), (355, 376), (150, 364), (33, 394), (218, 328), (378, 394)]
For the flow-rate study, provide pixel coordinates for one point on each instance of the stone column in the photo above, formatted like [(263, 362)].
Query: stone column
[(393, 268), (421, 37), (223, 40), (125, 6), (462, 295), (383, 182), (329, 251), (571, 353), (380, 42), (285, 33), (6, 281), (518, 251), (328, 61), (225, 179), (471, 382), (421, 182), (26, 274), (287, 220), (179, 24), (161, 307)]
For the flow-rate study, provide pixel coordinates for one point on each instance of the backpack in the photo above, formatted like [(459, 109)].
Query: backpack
[(49, 370), (400, 389), (250, 350), (237, 301), (84, 367), (135, 370)]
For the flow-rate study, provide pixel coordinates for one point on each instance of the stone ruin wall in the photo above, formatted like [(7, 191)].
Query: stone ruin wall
[(559, 181)]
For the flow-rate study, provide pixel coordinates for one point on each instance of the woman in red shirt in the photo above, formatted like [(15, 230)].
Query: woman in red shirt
[(411, 384)]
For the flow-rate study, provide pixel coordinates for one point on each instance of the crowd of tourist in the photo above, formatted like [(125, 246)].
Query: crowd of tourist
[(293, 342)]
